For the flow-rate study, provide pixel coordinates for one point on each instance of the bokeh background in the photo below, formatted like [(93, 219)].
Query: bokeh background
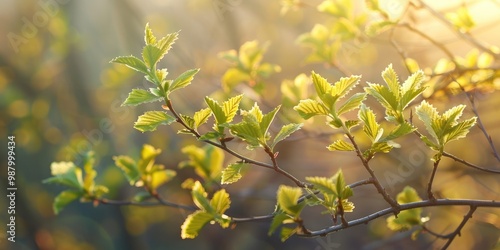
[(59, 93)]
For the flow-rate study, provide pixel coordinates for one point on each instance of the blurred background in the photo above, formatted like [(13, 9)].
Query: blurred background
[(60, 97)]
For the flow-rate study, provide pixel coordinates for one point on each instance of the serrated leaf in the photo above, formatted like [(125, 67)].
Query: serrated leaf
[(248, 131), (383, 96), (129, 168), (340, 184), (151, 55), (149, 38), (323, 184), (371, 128), (201, 117), (220, 201), (210, 136), (344, 85), (352, 103), (285, 131), (347, 206), (411, 88), (200, 198), (67, 174), (341, 145), (194, 223), (460, 130), (159, 178), (166, 42), (140, 96), (217, 110), (183, 80), (152, 119), (232, 173), (351, 123), (321, 85), (188, 121), (230, 107), (64, 198), (267, 119), (288, 200), (383, 147), (309, 108), (132, 62), (391, 78), (90, 173), (429, 115), (401, 130)]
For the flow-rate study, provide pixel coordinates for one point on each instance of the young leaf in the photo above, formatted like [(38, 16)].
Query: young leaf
[(64, 198), (140, 96), (248, 131), (285, 131), (220, 116), (352, 103), (194, 223), (183, 80), (129, 167), (412, 88), (288, 200), (159, 178), (132, 62), (232, 173), (371, 128), (200, 198), (460, 130), (407, 218), (401, 130), (429, 115), (341, 146), (67, 174), (278, 219), (287, 232), (323, 184), (220, 201), (165, 43), (309, 108), (149, 38), (151, 119), (200, 117), (151, 55), (230, 107), (391, 78), (383, 96), (188, 121), (344, 85), (267, 119)]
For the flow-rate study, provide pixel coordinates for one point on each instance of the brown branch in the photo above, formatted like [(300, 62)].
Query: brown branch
[(470, 164), (402, 207), (373, 178), (459, 228), (431, 180)]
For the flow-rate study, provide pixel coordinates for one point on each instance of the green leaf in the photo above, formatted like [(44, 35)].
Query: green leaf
[(151, 55), (401, 130), (340, 184), (341, 145), (323, 184), (412, 88), (152, 119), (267, 119), (391, 78), (67, 174), (344, 85), (285, 131), (201, 117), (351, 123), (278, 219), (149, 38), (166, 42), (220, 201), (461, 19), (460, 130), (200, 198), (232, 173), (183, 80), (383, 96), (287, 232), (248, 131), (64, 198), (140, 96), (220, 116), (429, 115), (309, 108), (188, 121), (210, 136), (371, 128), (352, 103), (321, 85), (407, 218), (132, 62), (194, 223), (90, 173), (129, 167), (159, 178), (230, 107), (288, 200)]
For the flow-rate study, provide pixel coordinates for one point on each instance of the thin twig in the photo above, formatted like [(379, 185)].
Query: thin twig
[(459, 228), (470, 164), (160, 202), (402, 207), (431, 180)]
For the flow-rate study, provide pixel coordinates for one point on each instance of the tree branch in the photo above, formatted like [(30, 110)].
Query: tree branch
[(402, 207)]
